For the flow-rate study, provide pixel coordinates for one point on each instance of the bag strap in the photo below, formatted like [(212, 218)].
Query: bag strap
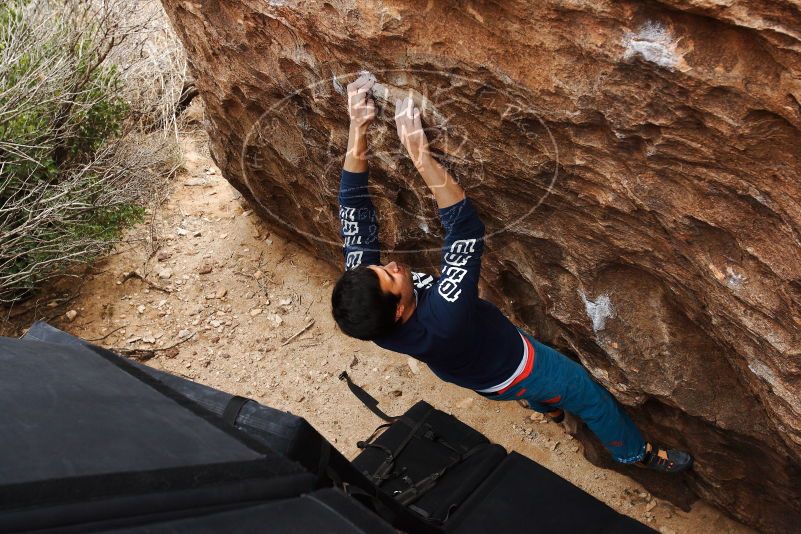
[(417, 489), (232, 409), (383, 470), (367, 399), (323, 466)]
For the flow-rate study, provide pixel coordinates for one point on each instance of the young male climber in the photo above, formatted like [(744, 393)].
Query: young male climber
[(442, 321)]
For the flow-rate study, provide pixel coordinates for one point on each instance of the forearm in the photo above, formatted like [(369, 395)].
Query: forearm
[(445, 189), (358, 220), (356, 156)]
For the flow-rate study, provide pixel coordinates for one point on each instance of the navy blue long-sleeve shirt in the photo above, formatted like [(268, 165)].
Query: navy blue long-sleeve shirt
[(462, 338)]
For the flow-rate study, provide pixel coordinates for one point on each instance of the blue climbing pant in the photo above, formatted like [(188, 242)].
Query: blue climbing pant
[(556, 381)]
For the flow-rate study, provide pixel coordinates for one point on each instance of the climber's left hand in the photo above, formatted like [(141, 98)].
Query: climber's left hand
[(411, 132)]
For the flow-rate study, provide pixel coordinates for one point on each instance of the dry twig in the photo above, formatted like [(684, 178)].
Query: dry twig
[(134, 274), (285, 343), (104, 337), (146, 354)]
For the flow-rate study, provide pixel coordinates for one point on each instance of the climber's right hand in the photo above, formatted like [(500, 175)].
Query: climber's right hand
[(361, 107)]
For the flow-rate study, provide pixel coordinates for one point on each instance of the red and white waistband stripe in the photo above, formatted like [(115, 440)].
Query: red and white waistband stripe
[(522, 371)]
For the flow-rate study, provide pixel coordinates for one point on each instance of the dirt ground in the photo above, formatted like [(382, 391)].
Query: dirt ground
[(227, 303)]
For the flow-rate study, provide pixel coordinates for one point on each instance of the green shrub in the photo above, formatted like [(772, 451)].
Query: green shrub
[(65, 191)]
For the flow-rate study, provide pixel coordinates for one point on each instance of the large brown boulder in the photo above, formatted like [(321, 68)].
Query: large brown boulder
[(636, 163)]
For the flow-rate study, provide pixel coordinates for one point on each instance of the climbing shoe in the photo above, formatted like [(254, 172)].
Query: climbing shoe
[(665, 460), (557, 416)]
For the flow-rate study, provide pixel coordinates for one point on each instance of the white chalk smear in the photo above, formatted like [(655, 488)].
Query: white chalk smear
[(654, 43), (337, 86), (598, 311), (379, 91), (733, 279), (777, 385), (368, 74)]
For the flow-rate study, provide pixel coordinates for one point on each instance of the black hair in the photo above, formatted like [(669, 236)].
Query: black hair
[(360, 308)]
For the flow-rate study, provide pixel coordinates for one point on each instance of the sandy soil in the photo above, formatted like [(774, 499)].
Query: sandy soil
[(230, 296)]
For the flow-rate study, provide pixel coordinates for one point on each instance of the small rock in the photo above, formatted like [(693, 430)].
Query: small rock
[(575, 448), (205, 268), (396, 393), (185, 333), (258, 274), (148, 339), (650, 506), (164, 255), (555, 445), (413, 365), (354, 362), (52, 304), (221, 293), (300, 398), (197, 233), (465, 403), (140, 309), (181, 231), (194, 182), (165, 274), (285, 302), (255, 311), (71, 315), (275, 319)]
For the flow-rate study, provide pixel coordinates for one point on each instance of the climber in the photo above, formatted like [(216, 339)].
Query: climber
[(442, 321)]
